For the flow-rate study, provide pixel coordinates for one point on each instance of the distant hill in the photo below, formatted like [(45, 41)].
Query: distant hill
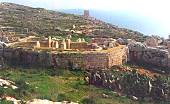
[(48, 22)]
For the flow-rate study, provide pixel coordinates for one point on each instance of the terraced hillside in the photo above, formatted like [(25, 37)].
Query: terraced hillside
[(48, 22)]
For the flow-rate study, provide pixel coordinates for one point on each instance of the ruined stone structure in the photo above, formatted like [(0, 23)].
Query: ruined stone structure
[(90, 60), (66, 44), (105, 42), (140, 53), (66, 54), (86, 13), (83, 60), (8, 37)]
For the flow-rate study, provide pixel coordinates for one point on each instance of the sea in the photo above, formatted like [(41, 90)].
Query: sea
[(126, 19)]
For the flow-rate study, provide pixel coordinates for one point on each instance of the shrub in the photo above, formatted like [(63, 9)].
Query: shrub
[(22, 89), (3, 101), (88, 101), (2, 91), (62, 97), (45, 97), (55, 72), (78, 84)]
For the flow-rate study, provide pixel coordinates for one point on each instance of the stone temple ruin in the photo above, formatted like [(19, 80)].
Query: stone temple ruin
[(66, 44), (100, 53)]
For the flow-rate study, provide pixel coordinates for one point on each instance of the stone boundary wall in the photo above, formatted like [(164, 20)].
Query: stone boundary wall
[(29, 58), (152, 56), (118, 56), (83, 60), (91, 59), (80, 46)]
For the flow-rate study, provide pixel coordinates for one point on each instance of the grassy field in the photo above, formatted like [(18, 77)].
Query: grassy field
[(65, 85)]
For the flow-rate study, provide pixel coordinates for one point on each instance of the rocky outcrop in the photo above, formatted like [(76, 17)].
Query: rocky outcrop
[(44, 101), (6, 83), (36, 101), (139, 52), (132, 84)]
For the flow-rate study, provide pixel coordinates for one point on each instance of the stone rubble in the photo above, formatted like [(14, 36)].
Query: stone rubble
[(7, 83), (15, 101), (37, 101), (131, 84), (44, 101)]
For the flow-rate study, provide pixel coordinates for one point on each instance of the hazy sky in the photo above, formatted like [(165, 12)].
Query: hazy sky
[(157, 10)]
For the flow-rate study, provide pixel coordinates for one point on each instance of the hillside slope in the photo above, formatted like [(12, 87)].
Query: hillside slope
[(47, 22)]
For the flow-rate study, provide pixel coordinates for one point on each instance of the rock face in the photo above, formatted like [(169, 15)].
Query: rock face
[(139, 52), (152, 42), (136, 46), (7, 83)]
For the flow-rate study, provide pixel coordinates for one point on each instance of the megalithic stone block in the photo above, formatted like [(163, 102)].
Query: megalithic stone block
[(38, 44), (63, 45), (56, 44), (49, 41), (68, 43)]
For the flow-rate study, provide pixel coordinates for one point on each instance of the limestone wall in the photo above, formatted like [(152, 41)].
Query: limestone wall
[(91, 59), (117, 56), (79, 60), (148, 55), (83, 60), (43, 44), (20, 57), (77, 45)]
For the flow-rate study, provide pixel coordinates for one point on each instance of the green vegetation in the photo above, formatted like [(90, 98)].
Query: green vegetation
[(74, 37), (3, 101), (64, 85), (52, 23)]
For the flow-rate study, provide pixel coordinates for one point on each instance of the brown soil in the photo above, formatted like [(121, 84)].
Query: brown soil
[(140, 70)]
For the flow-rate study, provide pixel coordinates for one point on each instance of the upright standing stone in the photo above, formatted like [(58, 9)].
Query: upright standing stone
[(68, 43), (38, 44), (74, 26), (63, 45), (49, 41), (83, 40), (79, 40), (69, 36), (56, 44), (53, 44)]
